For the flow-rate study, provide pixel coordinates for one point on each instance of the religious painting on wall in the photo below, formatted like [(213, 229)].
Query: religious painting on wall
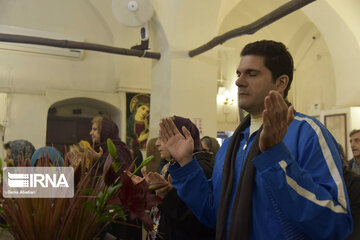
[(137, 123)]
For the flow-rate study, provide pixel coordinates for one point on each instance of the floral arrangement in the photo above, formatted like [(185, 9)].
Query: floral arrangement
[(98, 200)]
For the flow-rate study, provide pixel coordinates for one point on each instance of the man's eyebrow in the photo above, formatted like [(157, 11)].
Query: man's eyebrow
[(247, 71), (251, 70)]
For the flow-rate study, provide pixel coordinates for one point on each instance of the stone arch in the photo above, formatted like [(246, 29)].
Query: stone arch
[(69, 120)]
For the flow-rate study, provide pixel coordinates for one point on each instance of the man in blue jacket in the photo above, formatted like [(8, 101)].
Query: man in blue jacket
[(279, 176)]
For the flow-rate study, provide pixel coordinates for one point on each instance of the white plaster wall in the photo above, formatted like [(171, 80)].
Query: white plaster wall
[(3, 108), (27, 118), (28, 71), (177, 27), (35, 82), (355, 118), (314, 78), (27, 115), (343, 45), (193, 89), (182, 85)]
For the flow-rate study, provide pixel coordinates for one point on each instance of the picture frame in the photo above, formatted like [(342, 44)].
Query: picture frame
[(137, 123)]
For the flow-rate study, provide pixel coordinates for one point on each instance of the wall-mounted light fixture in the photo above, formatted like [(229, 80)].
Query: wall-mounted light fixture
[(224, 97), (229, 100)]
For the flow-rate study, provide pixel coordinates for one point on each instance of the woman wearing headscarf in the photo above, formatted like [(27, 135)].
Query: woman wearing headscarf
[(102, 129), (18, 149), (211, 145), (172, 218), (47, 155)]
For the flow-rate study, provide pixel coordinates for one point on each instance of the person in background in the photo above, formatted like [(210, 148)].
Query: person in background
[(152, 150), (18, 149), (103, 128), (172, 219), (279, 176), (352, 181), (354, 163), (78, 151), (211, 145), (43, 154)]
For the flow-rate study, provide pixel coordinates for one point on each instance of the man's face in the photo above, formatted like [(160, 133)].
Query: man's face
[(254, 83), (355, 144), (94, 133)]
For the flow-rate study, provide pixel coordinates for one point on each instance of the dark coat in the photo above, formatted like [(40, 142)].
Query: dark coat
[(352, 181), (177, 222)]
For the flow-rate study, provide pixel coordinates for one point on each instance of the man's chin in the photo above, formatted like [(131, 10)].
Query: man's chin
[(243, 106)]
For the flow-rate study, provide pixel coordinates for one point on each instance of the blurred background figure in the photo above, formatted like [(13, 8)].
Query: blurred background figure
[(352, 182), (103, 128), (172, 219), (211, 145), (354, 163), (42, 156), (151, 149), (78, 151), (18, 149)]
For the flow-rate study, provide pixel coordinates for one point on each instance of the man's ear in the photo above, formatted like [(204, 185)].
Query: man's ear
[(281, 83)]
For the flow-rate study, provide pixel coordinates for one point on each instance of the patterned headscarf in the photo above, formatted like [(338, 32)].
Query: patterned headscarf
[(21, 148), (52, 153)]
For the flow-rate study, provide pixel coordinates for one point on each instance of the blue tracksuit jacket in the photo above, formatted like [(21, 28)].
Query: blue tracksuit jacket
[(298, 192)]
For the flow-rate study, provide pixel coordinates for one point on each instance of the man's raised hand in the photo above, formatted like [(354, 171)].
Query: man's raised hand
[(277, 117)]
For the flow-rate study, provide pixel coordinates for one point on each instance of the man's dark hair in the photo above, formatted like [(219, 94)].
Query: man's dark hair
[(353, 132), (276, 58)]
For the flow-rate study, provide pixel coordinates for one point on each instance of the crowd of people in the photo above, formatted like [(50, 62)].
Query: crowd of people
[(281, 175)]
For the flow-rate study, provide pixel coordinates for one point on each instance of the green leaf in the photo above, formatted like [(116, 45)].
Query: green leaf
[(89, 191), (90, 206), (147, 161), (143, 164), (112, 149)]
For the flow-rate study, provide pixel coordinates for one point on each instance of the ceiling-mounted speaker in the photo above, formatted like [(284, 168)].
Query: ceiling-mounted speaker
[(132, 13)]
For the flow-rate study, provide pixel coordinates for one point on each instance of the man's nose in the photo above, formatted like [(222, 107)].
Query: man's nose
[(240, 81)]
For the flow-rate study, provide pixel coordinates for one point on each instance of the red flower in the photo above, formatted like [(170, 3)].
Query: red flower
[(137, 199)]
